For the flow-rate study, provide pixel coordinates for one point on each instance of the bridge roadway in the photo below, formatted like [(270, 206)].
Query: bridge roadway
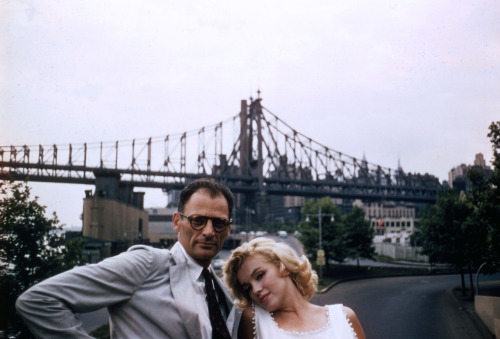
[(238, 184)]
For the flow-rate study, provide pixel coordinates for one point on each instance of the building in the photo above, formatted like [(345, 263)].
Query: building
[(161, 226), (392, 222), (286, 208), (457, 176), (114, 213)]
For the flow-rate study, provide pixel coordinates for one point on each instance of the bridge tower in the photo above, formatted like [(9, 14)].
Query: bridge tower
[(251, 158)]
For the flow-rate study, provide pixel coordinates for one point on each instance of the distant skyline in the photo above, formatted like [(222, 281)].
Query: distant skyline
[(410, 81)]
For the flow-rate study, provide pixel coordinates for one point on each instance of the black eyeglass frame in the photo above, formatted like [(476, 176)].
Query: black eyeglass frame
[(190, 219)]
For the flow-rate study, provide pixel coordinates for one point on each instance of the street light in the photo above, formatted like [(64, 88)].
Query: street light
[(249, 216), (320, 256)]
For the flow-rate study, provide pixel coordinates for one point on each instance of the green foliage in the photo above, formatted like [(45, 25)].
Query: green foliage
[(484, 216), (442, 228), (348, 236), (358, 235), (101, 332), (32, 248), (331, 233), (491, 207), (463, 228)]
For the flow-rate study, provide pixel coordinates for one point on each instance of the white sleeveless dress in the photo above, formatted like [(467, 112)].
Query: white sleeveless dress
[(337, 327)]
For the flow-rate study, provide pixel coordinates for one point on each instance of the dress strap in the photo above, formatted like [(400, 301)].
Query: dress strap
[(253, 321)]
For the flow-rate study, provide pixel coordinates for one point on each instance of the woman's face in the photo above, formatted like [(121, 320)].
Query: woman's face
[(263, 282)]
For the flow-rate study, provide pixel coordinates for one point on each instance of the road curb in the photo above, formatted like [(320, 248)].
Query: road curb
[(336, 282), (469, 309)]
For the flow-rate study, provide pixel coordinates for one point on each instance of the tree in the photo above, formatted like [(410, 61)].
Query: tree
[(484, 196), (358, 235), (493, 200), (463, 228), (483, 215), (332, 231), (441, 227), (32, 248)]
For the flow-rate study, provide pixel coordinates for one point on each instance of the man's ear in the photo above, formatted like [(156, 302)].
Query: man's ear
[(175, 219)]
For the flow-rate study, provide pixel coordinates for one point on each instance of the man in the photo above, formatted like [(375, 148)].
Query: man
[(149, 292)]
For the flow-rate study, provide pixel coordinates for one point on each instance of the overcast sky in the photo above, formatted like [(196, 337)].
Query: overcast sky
[(414, 81)]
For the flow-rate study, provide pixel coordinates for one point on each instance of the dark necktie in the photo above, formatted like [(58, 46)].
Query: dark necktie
[(219, 328)]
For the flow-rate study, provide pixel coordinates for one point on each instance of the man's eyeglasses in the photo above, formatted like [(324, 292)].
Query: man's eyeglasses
[(198, 222)]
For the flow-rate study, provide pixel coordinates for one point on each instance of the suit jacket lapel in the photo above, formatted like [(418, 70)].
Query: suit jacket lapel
[(182, 291)]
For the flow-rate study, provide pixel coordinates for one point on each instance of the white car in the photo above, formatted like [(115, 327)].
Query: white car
[(282, 234), (218, 263)]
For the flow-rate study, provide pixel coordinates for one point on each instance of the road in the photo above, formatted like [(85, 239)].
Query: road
[(405, 307)]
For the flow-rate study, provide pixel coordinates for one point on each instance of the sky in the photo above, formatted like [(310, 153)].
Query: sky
[(414, 82)]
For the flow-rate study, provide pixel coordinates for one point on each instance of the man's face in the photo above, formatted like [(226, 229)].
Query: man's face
[(202, 245)]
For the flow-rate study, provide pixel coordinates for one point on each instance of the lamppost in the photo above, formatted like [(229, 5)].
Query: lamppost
[(320, 256), (249, 215)]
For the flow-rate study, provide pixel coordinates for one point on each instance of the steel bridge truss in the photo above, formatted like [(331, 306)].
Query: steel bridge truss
[(254, 151)]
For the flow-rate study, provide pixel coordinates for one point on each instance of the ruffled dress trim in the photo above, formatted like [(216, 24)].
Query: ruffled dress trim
[(329, 320), (354, 335), (300, 333)]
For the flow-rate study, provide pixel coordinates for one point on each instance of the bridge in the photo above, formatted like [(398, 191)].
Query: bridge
[(255, 153)]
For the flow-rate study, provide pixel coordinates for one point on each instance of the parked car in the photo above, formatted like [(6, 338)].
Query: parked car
[(217, 263), (282, 234)]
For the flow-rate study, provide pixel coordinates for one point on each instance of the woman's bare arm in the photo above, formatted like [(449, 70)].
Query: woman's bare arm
[(356, 325), (245, 329)]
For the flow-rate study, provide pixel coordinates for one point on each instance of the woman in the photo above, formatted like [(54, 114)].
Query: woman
[(273, 286)]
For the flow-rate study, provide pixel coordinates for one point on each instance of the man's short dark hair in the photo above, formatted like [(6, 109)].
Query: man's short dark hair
[(213, 188)]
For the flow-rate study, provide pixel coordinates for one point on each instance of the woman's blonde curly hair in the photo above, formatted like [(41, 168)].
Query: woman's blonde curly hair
[(279, 254)]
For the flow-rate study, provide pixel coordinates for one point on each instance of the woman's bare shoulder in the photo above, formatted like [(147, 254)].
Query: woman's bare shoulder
[(247, 313), (356, 325)]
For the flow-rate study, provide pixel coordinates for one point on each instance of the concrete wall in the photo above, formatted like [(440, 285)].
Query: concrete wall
[(399, 252), (161, 226), (112, 220), (488, 309)]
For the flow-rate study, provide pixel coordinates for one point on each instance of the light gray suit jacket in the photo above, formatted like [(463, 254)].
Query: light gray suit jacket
[(148, 293)]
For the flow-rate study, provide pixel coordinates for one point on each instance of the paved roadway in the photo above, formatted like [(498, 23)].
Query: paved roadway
[(406, 307)]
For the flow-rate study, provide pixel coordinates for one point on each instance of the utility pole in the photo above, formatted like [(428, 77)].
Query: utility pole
[(320, 254)]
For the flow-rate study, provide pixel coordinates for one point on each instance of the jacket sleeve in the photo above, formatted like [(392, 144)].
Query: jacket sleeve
[(49, 308)]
